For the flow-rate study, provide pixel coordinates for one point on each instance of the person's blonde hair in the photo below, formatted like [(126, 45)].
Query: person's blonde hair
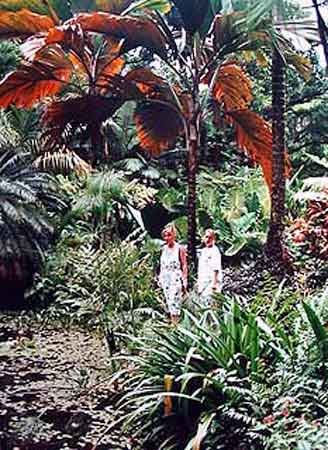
[(171, 228), (210, 230)]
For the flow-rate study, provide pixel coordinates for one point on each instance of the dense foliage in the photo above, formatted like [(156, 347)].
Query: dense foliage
[(111, 111)]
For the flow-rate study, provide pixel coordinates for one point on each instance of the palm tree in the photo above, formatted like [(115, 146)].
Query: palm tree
[(91, 46), (274, 248), (25, 226), (274, 245)]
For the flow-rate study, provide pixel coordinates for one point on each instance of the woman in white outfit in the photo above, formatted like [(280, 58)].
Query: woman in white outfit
[(209, 270), (173, 272)]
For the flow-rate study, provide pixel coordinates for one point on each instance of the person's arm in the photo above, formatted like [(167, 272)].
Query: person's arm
[(158, 274), (217, 271), (184, 267), (216, 280)]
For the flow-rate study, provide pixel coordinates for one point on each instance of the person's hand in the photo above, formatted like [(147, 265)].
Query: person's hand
[(215, 287)]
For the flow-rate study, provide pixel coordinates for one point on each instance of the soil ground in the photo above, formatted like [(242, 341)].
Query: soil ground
[(55, 392)]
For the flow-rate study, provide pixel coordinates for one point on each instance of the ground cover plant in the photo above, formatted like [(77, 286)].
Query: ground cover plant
[(228, 379)]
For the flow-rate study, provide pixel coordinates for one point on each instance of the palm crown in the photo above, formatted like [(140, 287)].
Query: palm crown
[(87, 52)]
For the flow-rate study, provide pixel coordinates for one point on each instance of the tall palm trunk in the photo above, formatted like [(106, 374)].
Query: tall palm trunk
[(274, 245), (193, 143), (192, 147)]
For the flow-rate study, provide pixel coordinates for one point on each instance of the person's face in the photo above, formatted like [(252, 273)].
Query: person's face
[(209, 239), (168, 236)]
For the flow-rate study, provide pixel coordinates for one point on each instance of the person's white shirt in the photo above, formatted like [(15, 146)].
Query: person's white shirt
[(209, 262)]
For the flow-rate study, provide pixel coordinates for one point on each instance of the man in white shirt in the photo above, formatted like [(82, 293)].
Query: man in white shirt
[(209, 269)]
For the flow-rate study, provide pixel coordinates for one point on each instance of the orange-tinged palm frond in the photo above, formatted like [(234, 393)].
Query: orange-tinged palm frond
[(109, 71), (23, 24), (231, 87), (109, 64), (33, 81), (118, 86), (254, 136), (150, 84), (78, 112), (158, 127), (69, 36), (154, 88), (135, 31)]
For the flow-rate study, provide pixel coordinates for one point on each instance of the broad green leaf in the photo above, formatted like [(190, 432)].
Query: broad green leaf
[(236, 247), (243, 223), (162, 6), (254, 344), (61, 8)]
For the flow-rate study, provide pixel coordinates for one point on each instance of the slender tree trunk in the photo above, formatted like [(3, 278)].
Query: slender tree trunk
[(274, 245), (193, 125), (323, 31), (192, 146)]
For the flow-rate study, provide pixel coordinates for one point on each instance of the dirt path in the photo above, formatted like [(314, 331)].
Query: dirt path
[(54, 389)]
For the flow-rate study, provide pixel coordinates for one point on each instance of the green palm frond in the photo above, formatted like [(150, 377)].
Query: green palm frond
[(25, 228)]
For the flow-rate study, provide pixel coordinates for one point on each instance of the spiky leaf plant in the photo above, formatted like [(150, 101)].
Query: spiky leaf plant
[(191, 385)]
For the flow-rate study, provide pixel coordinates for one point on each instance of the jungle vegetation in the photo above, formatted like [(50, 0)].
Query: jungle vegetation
[(121, 116)]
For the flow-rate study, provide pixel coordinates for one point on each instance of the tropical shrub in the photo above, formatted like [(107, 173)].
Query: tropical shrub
[(294, 411), (27, 197), (109, 203), (192, 385), (295, 402), (238, 206), (106, 288), (311, 231)]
